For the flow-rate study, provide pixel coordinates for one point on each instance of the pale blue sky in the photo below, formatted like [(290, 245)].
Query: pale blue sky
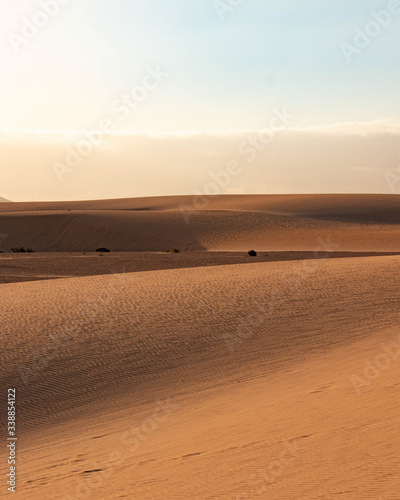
[(230, 76), (223, 74)]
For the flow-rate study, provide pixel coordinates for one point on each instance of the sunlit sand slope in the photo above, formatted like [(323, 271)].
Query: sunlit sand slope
[(241, 381), (231, 222)]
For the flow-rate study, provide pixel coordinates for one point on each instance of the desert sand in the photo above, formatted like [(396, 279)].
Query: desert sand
[(19, 267), (270, 379), (220, 223)]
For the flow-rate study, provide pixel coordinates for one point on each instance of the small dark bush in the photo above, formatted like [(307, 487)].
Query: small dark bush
[(102, 250), (252, 253), (175, 250), (22, 250)]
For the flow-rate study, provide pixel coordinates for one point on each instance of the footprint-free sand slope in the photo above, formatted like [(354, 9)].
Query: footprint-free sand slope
[(372, 207), (19, 267), (228, 222), (255, 359)]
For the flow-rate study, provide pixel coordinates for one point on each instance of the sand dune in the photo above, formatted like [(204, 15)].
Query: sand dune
[(20, 267), (228, 382), (228, 223), (363, 206)]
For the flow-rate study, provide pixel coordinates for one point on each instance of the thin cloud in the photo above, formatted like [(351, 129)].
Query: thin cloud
[(342, 157)]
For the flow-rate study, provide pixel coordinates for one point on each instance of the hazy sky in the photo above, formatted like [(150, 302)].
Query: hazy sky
[(169, 66)]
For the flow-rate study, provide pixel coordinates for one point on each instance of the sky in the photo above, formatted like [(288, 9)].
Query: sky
[(197, 77)]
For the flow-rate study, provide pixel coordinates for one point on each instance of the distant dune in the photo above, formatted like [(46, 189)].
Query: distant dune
[(226, 222), (231, 382), (3, 200)]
